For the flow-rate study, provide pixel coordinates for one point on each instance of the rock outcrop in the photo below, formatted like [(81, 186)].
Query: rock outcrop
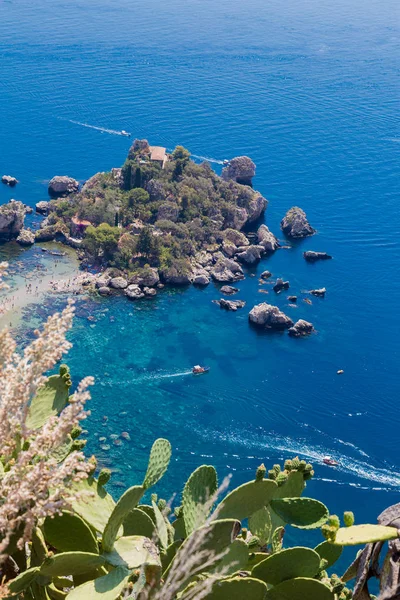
[(133, 292), (118, 283), (320, 292), (8, 180), (226, 270), (235, 237), (237, 218), (26, 237), (268, 316), (280, 285), (301, 328), (177, 274), (257, 206), (102, 281), (241, 169), (146, 277), (201, 277), (232, 305), (295, 224), (168, 211), (229, 290), (61, 185), (312, 256), (42, 207), (12, 215), (266, 239), (251, 255)]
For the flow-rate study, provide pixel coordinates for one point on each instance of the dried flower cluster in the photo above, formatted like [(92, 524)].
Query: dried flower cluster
[(33, 484)]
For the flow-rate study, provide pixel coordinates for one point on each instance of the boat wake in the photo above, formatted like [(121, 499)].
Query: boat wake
[(102, 129), (141, 378), (347, 465), (208, 159)]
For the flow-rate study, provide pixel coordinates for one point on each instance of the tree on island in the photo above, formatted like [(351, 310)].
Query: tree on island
[(102, 240)]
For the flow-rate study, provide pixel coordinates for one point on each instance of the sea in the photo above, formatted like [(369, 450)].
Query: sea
[(308, 90)]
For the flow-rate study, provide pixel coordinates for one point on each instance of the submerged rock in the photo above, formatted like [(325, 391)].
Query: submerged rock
[(61, 185), (269, 317), (311, 256), (8, 180), (12, 215), (26, 237), (321, 292), (280, 285), (267, 239), (301, 328), (228, 290), (230, 304), (295, 224)]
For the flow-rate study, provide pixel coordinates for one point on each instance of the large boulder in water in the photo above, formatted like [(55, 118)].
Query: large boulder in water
[(9, 180), (146, 277), (241, 169), (251, 255), (268, 316), (12, 215), (312, 256), (61, 185), (267, 239), (301, 328), (26, 237), (295, 224), (226, 270), (118, 283)]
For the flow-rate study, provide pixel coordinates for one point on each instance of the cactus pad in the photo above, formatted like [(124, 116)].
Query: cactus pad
[(108, 587), (301, 588), (23, 581), (235, 559), (246, 499), (49, 401), (364, 534), (71, 563), (160, 455), (287, 564), (137, 522), (125, 504), (161, 526), (199, 488), (304, 513), (95, 506), (260, 524), (132, 552), (238, 588), (68, 532), (329, 552)]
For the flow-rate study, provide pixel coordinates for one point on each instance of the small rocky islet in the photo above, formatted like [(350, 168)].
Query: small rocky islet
[(162, 219)]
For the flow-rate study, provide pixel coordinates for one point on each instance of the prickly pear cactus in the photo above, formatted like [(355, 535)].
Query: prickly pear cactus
[(95, 504), (199, 488), (137, 522), (71, 563), (235, 559), (329, 552), (50, 399), (132, 552), (287, 564), (246, 499), (238, 588), (301, 588), (160, 455), (364, 534), (304, 513), (68, 532), (108, 587), (260, 524), (125, 504)]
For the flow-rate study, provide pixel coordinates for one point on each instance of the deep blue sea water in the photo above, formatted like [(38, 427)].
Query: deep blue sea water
[(308, 90)]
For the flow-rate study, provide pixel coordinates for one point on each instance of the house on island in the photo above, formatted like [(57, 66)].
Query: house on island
[(158, 154)]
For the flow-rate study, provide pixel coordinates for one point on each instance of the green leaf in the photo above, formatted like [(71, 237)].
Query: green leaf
[(162, 532), (287, 564), (260, 524), (169, 554), (108, 587), (304, 513), (300, 588), (364, 534), (68, 532), (94, 503), (199, 488), (292, 488), (160, 455), (132, 552), (49, 401), (235, 559), (71, 563), (138, 522), (23, 581), (238, 588), (246, 499), (329, 552), (125, 504)]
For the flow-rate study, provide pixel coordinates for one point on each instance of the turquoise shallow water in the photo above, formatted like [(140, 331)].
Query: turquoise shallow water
[(309, 92)]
